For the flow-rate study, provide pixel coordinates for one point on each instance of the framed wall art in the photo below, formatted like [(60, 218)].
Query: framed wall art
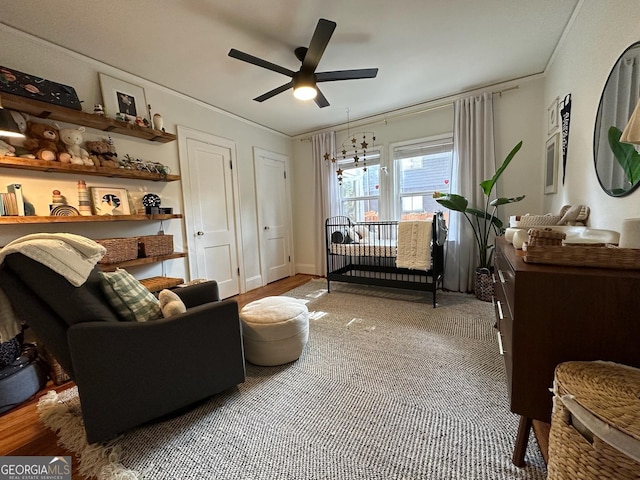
[(551, 164), (124, 98), (110, 201), (552, 116)]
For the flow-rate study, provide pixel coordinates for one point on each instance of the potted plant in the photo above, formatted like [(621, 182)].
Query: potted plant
[(482, 221)]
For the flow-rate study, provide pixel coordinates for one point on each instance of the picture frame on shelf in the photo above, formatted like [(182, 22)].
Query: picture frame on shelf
[(551, 164), (552, 116), (126, 99), (110, 201)]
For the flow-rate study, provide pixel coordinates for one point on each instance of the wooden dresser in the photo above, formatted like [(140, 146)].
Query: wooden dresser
[(549, 314)]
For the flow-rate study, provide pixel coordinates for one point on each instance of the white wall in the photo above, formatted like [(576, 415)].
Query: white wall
[(31, 55), (598, 36), (517, 113)]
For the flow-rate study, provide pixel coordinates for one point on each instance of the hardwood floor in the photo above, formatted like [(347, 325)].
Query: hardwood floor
[(24, 435)]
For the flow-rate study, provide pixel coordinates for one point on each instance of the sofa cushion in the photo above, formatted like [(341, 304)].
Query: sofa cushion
[(86, 303), (129, 297)]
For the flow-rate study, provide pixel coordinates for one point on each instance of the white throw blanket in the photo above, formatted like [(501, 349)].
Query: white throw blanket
[(414, 245), (69, 255)]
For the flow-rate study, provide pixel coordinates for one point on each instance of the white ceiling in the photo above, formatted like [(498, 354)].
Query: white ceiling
[(424, 49)]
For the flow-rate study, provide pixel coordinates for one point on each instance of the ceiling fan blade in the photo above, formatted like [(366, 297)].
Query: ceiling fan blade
[(320, 99), (245, 57), (319, 42), (346, 75), (274, 92)]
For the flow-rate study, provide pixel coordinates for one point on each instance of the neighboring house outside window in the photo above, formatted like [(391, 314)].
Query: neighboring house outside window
[(399, 188)]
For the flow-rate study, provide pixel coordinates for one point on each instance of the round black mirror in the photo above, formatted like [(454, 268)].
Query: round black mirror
[(618, 164)]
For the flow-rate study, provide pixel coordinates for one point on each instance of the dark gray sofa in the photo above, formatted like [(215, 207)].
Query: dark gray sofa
[(128, 373)]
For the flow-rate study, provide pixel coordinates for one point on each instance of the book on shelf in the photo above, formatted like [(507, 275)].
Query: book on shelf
[(10, 205), (16, 189)]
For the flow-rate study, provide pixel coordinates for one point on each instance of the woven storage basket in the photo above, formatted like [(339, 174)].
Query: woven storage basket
[(608, 256), (155, 245), (155, 284), (524, 221), (119, 249), (545, 236), (608, 391)]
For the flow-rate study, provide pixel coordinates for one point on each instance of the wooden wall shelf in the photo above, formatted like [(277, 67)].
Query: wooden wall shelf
[(39, 109), (67, 168), (110, 267), (8, 220)]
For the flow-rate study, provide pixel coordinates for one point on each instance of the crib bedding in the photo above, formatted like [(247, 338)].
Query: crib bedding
[(383, 248)]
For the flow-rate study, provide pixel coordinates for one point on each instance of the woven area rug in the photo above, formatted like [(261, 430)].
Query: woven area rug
[(387, 388)]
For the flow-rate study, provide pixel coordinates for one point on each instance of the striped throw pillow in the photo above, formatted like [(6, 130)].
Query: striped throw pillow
[(129, 297)]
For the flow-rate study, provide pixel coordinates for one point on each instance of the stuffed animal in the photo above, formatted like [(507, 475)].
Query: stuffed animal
[(72, 138), (102, 153), (18, 143), (44, 142), (6, 149)]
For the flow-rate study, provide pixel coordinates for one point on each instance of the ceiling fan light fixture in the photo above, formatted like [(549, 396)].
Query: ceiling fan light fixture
[(305, 92)]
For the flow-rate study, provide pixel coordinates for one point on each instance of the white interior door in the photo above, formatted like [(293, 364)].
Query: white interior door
[(211, 216), (274, 214)]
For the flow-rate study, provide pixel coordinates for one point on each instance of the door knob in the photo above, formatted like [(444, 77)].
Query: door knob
[(200, 233)]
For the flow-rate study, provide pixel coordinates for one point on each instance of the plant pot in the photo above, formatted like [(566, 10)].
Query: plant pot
[(483, 284)]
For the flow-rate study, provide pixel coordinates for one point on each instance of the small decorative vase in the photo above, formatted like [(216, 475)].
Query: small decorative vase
[(158, 122), (483, 285)]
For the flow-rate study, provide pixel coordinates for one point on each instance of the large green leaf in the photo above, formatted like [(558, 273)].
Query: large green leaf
[(453, 201), (626, 154), (488, 185), (503, 200), (485, 215)]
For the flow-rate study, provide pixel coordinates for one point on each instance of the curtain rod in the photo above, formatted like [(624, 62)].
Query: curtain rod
[(449, 101)]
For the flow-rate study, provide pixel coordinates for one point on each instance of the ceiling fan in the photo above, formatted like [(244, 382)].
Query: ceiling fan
[(304, 80)]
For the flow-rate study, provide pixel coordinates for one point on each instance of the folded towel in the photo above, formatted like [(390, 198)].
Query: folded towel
[(414, 245)]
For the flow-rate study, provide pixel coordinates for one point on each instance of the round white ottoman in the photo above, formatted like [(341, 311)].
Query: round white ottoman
[(274, 330)]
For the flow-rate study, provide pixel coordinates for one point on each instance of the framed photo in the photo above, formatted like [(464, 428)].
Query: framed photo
[(551, 164), (552, 116), (110, 201), (124, 98)]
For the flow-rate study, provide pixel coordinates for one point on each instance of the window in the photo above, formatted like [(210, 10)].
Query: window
[(360, 190), (401, 187), (420, 169)]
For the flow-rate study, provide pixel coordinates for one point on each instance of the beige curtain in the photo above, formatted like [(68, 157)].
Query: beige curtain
[(473, 162), (325, 189)]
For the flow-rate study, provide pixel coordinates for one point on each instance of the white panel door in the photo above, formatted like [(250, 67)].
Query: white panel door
[(273, 215), (211, 215)]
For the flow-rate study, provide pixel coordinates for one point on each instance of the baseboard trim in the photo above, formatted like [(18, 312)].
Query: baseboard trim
[(254, 282), (306, 268)]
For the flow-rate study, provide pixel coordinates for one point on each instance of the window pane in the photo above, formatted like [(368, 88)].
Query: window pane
[(428, 173), (422, 169), (358, 183), (361, 210)]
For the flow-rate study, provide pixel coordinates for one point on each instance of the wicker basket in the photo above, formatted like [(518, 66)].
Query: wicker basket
[(119, 249), (608, 256), (155, 245), (608, 392), (524, 221), (155, 284), (545, 236)]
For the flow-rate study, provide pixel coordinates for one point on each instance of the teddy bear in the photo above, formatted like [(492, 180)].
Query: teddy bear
[(102, 153), (72, 138), (44, 142)]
